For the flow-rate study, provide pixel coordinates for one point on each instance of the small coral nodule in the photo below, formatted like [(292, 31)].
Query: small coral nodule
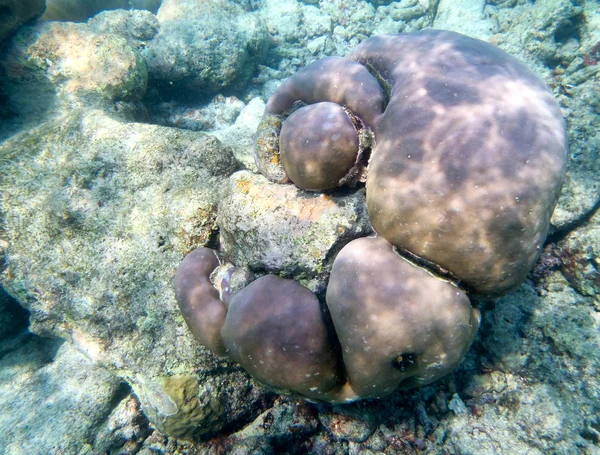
[(467, 155)]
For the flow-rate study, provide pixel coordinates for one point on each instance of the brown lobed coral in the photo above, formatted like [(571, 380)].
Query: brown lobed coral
[(463, 150)]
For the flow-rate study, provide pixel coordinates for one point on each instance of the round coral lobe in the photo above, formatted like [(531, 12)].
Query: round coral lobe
[(318, 146), (275, 330), (469, 159), (398, 326), (198, 300)]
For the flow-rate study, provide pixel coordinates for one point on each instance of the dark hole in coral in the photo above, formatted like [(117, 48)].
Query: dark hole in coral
[(404, 361), (213, 240), (122, 392), (568, 29)]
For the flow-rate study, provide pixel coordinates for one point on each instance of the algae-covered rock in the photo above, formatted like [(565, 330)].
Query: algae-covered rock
[(57, 398), (304, 31), (79, 62), (220, 112), (124, 430), (53, 68), (15, 13), (578, 257), (241, 135), (540, 346), (537, 31), (80, 10), (354, 423), (280, 229), (97, 214), (203, 48), (81, 189), (581, 191), (199, 404), (284, 424), (136, 26), (464, 16)]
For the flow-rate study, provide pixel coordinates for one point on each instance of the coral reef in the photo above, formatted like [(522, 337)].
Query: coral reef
[(280, 229), (323, 158), (398, 326), (54, 68), (554, 37), (447, 152), (199, 300), (464, 16), (470, 157), (460, 179), (98, 208), (274, 328)]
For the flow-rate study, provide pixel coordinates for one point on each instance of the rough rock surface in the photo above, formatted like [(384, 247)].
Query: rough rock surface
[(93, 249), (464, 16), (205, 47), (57, 397), (305, 31), (80, 10), (52, 68), (280, 229), (220, 112), (577, 256), (124, 430), (58, 400), (228, 118), (241, 135), (136, 26), (16, 13)]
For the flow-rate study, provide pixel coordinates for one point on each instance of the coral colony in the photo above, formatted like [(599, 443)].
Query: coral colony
[(463, 151)]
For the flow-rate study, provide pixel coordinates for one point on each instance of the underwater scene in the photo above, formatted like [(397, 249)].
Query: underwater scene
[(261, 227)]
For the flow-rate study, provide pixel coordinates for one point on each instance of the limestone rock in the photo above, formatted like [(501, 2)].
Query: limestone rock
[(136, 26), (52, 68), (80, 10), (97, 214), (280, 229), (41, 386), (16, 13), (203, 48), (464, 16)]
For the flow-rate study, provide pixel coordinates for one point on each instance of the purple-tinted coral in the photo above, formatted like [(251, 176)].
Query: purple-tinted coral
[(467, 154)]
